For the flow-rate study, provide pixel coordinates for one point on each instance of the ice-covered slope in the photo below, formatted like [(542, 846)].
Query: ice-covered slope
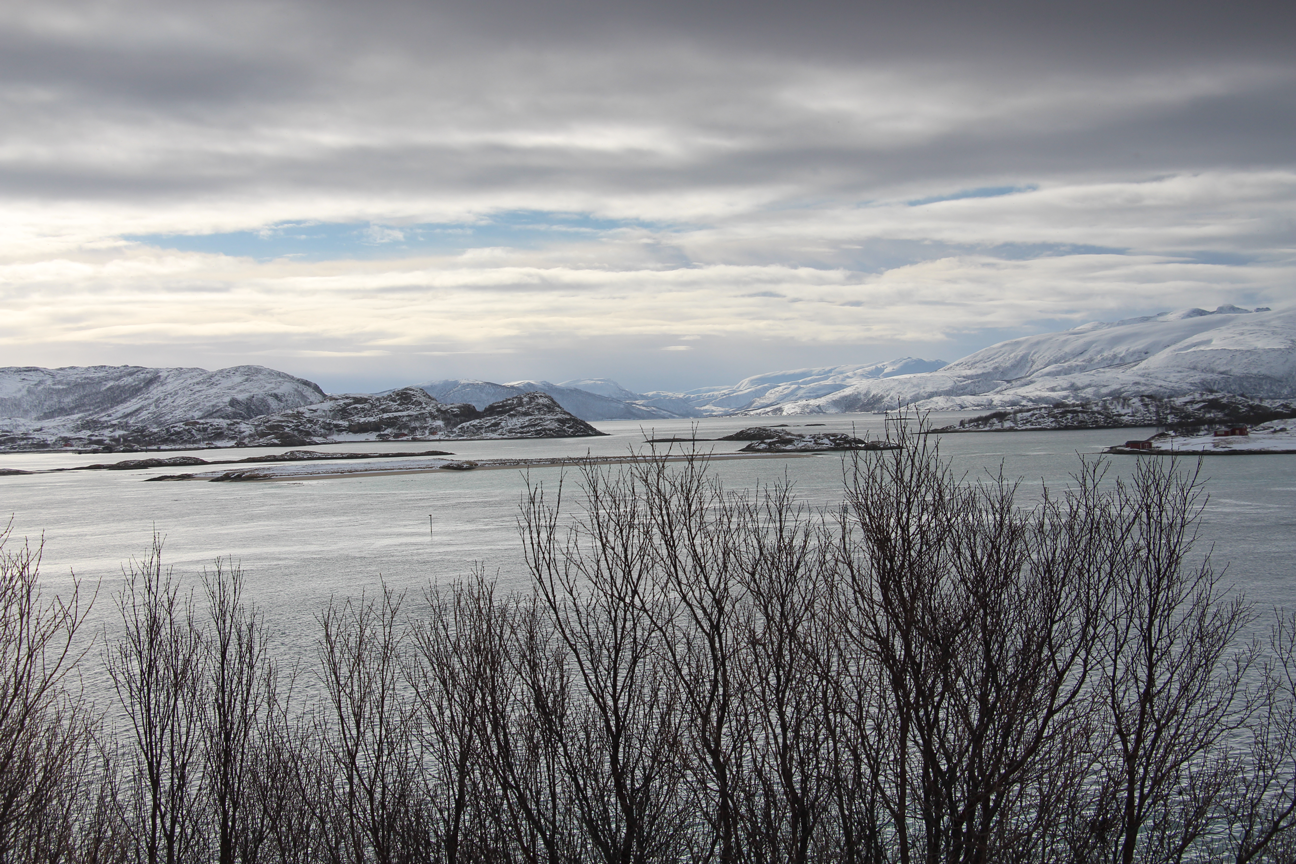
[(1230, 350), (149, 397), (774, 388), (601, 387)]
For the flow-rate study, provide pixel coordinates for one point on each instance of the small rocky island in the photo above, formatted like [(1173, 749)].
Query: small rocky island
[(765, 439)]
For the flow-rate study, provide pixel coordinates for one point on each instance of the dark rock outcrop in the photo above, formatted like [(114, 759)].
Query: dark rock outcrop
[(755, 433)]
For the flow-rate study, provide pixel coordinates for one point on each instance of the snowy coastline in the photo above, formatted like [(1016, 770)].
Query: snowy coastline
[(1274, 437)]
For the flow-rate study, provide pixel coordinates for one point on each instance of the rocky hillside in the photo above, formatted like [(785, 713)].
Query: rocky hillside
[(139, 396), (765, 439), (1118, 412), (406, 414)]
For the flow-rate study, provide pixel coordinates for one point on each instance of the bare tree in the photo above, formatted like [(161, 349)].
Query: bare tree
[(1260, 807), (785, 565), (619, 740), (369, 739), (238, 690), (971, 625), (1171, 676), (698, 568), (157, 670), (46, 735), (527, 696), (455, 647), (288, 764)]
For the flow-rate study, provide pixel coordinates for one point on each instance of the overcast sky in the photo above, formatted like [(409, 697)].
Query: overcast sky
[(672, 194)]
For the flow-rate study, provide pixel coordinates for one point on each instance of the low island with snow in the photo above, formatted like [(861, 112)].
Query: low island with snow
[(1276, 436), (1123, 412)]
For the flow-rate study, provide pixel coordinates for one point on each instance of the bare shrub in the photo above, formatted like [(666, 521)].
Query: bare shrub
[(46, 734), (368, 806), (157, 670), (970, 626), (618, 737), (239, 696), (1171, 677)]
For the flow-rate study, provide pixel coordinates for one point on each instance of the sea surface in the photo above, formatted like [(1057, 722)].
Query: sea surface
[(302, 542)]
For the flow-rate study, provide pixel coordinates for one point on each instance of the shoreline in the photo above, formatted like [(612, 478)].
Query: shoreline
[(1254, 451), (538, 463), (483, 465)]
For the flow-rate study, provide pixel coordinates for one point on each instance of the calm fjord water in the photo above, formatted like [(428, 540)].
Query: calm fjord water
[(302, 542)]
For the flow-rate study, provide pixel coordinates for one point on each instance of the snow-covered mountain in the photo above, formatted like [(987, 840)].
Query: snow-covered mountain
[(141, 396), (1230, 350), (601, 387), (613, 403), (772, 389)]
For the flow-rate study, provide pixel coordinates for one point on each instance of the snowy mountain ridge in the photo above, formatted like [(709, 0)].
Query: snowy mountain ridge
[(141, 396), (601, 399), (1193, 351), (605, 399), (1229, 350), (775, 388)]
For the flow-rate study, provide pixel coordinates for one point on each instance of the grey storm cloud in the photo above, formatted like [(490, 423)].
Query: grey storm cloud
[(821, 182), (143, 99)]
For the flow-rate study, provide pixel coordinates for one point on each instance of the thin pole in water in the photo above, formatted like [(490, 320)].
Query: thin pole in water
[(429, 526)]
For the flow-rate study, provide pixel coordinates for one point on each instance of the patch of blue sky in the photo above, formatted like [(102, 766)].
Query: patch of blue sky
[(1027, 251), (982, 192), (876, 256), (330, 241), (1223, 259)]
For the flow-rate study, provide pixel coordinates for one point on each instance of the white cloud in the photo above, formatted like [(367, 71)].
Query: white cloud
[(763, 165)]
